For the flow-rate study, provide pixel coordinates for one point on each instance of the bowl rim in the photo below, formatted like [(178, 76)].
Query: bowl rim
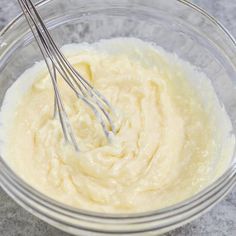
[(179, 208)]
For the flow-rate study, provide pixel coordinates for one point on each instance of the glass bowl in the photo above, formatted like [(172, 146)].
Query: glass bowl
[(177, 26)]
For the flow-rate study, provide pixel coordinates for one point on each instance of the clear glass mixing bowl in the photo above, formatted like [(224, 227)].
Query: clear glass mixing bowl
[(177, 26)]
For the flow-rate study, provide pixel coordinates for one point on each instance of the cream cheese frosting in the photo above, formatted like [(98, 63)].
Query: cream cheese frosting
[(173, 137)]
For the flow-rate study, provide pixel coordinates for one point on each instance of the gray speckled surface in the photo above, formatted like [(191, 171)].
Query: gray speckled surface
[(221, 220)]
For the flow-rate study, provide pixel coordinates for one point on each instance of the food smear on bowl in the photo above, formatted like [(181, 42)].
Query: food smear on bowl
[(173, 137)]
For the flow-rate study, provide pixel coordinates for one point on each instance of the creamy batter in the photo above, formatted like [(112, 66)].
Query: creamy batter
[(173, 137)]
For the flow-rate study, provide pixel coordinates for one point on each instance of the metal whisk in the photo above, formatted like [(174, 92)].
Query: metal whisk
[(58, 64)]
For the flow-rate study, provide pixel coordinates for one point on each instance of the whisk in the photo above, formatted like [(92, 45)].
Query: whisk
[(58, 64)]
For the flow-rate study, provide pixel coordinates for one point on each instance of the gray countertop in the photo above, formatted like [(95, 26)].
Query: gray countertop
[(221, 220)]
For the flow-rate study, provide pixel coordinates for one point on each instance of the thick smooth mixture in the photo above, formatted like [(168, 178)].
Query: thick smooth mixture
[(173, 137)]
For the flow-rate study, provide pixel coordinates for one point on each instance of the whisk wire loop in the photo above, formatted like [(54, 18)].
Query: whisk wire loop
[(58, 64)]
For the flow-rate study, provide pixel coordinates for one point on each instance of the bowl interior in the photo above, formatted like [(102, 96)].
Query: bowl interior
[(173, 25)]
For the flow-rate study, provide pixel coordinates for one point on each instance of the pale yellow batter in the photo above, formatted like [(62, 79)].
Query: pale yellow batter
[(173, 136)]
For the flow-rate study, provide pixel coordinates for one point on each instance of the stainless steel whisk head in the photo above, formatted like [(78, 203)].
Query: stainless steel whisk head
[(58, 64)]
